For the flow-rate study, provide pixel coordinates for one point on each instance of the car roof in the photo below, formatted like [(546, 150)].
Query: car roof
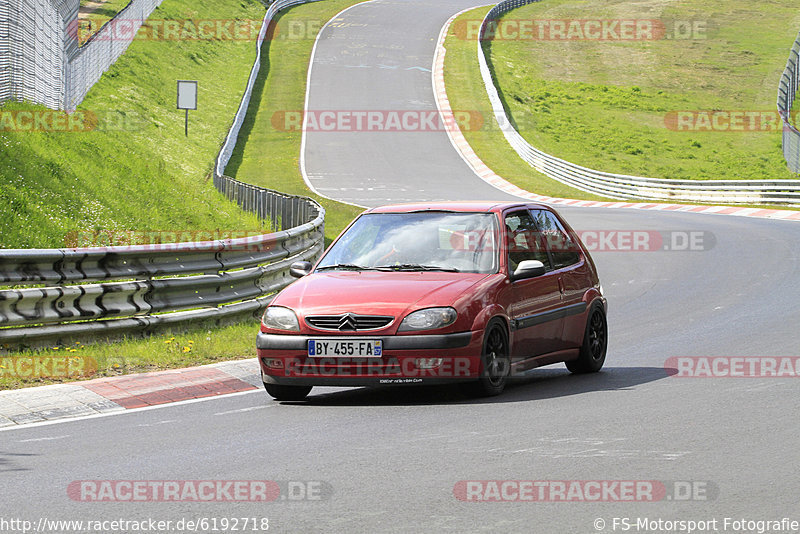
[(465, 207)]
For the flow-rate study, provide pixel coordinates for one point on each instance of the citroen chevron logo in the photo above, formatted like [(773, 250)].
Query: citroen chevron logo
[(347, 322)]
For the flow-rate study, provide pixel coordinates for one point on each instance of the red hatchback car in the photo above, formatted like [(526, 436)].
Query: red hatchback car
[(436, 293)]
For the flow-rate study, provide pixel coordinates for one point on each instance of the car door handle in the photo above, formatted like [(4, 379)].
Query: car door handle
[(561, 285)]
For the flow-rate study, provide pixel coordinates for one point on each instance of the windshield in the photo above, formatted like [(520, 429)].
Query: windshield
[(437, 241)]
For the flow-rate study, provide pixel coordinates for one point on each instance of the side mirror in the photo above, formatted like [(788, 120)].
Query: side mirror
[(528, 269), (299, 269)]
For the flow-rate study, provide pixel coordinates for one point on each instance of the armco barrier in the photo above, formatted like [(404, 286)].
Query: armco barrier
[(230, 141), (138, 285), (624, 187), (787, 91), (106, 292)]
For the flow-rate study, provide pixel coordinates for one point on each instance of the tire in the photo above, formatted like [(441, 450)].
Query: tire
[(595, 342), (495, 362), (287, 393)]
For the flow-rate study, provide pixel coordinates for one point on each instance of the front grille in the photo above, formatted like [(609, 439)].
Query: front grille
[(348, 322)]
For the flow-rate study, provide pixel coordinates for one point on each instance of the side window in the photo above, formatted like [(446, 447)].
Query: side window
[(563, 249), (524, 240)]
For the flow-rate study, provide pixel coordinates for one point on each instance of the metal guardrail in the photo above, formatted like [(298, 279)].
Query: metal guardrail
[(220, 280), (205, 281), (143, 288), (787, 91), (621, 186), (230, 141), (285, 211)]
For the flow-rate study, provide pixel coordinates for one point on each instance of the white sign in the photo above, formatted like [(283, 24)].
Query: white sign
[(187, 94)]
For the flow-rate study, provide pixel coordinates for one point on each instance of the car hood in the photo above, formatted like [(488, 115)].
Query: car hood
[(378, 293)]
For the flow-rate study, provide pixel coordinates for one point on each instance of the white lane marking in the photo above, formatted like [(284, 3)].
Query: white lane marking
[(43, 439), (305, 109), (123, 412), (439, 99), (159, 423), (243, 410)]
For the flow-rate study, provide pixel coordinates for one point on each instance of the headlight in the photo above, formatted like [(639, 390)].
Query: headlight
[(428, 319), (280, 318)]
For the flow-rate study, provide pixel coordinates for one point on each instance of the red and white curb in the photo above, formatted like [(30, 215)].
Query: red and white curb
[(486, 174), (102, 396)]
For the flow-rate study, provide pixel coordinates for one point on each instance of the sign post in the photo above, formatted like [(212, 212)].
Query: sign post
[(187, 98)]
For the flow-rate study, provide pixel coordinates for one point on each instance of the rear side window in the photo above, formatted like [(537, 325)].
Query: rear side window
[(563, 249)]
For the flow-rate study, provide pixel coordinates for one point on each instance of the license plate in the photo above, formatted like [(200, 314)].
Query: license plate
[(354, 348)]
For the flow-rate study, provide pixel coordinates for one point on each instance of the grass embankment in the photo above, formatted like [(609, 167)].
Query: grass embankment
[(268, 155), (136, 172), (141, 85), (608, 105), (168, 351)]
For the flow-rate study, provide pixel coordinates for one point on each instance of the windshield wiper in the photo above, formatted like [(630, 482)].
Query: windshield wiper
[(346, 267), (416, 267)]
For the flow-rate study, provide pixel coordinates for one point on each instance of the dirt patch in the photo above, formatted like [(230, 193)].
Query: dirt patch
[(89, 8)]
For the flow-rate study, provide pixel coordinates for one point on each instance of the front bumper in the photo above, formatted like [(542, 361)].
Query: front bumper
[(290, 364)]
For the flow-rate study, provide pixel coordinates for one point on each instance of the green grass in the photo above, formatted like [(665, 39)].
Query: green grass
[(267, 156), (198, 346), (137, 172), (603, 104)]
